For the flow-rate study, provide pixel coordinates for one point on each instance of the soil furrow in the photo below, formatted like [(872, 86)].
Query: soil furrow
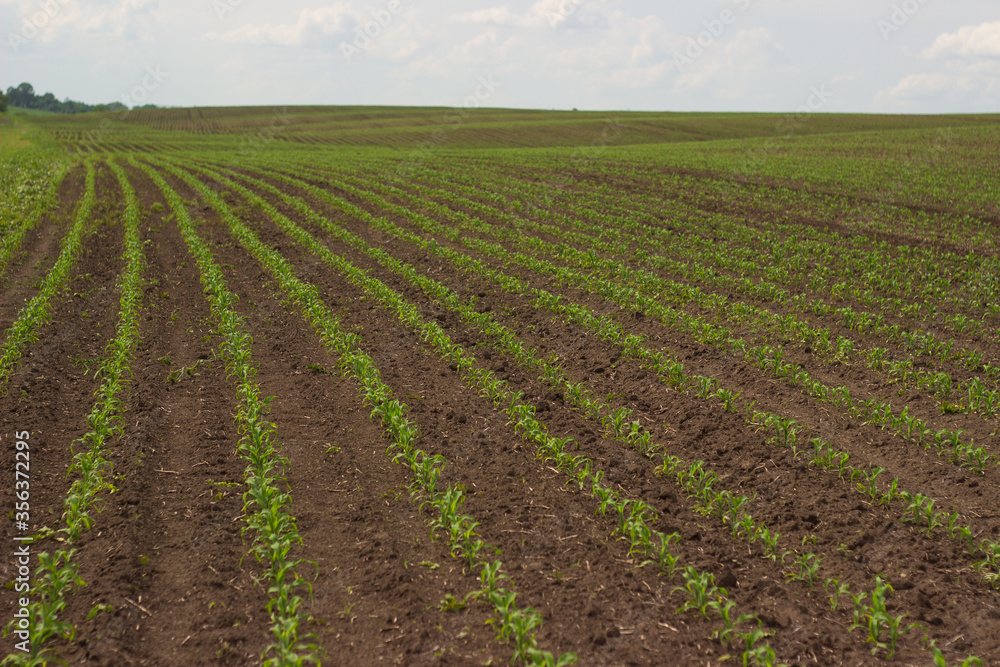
[(168, 548), (368, 541), (630, 473), (39, 249), (799, 509), (51, 392)]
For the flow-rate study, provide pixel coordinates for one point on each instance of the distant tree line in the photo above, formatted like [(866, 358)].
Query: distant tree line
[(24, 97)]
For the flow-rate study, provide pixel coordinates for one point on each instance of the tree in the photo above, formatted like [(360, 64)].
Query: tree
[(22, 96), (3, 102), (47, 102)]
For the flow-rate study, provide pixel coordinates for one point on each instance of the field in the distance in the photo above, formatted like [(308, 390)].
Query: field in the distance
[(428, 386)]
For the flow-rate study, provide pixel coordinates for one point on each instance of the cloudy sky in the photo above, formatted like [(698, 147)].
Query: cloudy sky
[(922, 56)]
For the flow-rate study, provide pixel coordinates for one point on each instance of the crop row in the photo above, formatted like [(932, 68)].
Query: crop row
[(24, 330), (643, 291), (694, 478), (57, 573), (691, 195), (645, 244), (651, 287), (267, 505), (800, 256), (634, 517), (13, 235), (672, 372), (516, 625), (701, 258), (739, 313)]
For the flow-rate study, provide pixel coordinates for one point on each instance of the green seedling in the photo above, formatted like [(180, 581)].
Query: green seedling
[(701, 590), (808, 568), (837, 590)]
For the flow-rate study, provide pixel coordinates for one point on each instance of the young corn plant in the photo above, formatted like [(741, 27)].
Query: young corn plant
[(989, 566), (881, 624), (633, 530), (266, 507), (941, 661), (701, 591), (38, 311), (891, 493), (615, 422), (837, 590), (731, 622), (868, 484), (785, 430), (808, 568), (90, 468), (516, 625), (728, 398), (920, 511), (753, 654), (55, 577), (661, 554), (860, 606)]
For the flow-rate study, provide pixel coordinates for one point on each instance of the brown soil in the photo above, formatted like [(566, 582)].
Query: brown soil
[(798, 510), (39, 249), (167, 550)]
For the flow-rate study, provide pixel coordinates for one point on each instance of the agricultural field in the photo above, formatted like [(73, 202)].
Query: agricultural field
[(436, 387)]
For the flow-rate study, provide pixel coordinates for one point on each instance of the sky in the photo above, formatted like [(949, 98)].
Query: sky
[(881, 56)]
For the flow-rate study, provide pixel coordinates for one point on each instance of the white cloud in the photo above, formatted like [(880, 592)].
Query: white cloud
[(106, 19), (371, 30), (965, 74), (117, 20), (498, 15), (748, 66), (426, 66), (542, 14), (595, 54), (960, 87), (981, 40), (926, 85), (487, 48), (623, 52), (630, 53), (313, 27)]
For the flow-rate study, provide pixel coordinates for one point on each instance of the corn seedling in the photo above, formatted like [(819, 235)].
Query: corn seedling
[(701, 590), (808, 568)]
